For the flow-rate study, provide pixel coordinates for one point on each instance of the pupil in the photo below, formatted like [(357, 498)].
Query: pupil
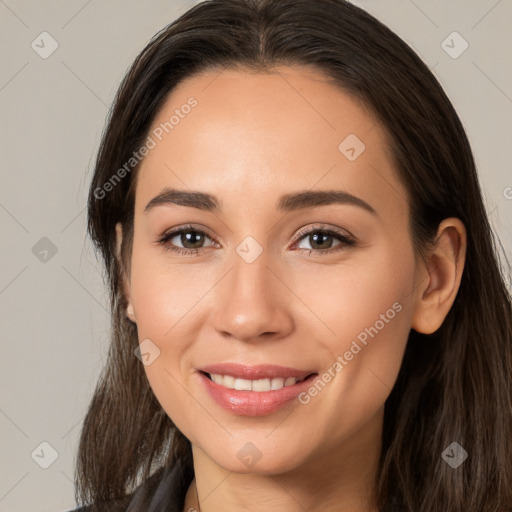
[(189, 237)]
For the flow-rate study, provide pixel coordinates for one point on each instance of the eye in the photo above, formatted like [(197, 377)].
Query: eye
[(321, 240), (190, 237)]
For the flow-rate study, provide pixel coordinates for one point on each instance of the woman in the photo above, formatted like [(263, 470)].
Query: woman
[(307, 308)]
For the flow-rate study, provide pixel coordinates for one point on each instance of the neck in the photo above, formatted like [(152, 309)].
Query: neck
[(340, 478)]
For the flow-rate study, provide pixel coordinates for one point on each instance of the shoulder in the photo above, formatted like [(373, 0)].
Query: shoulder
[(110, 506), (164, 490), (120, 505)]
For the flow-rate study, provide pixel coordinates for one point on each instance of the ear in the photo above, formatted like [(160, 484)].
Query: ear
[(130, 313), (440, 277)]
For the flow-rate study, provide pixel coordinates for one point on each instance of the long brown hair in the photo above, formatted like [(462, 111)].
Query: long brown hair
[(455, 385)]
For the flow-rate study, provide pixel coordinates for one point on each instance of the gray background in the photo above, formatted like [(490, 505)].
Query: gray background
[(54, 306)]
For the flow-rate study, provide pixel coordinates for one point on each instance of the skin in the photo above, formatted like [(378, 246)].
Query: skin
[(252, 138)]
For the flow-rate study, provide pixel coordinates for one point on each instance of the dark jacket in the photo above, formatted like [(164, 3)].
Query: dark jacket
[(164, 491)]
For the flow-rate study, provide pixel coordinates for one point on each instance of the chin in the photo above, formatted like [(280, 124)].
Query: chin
[(251, 459)]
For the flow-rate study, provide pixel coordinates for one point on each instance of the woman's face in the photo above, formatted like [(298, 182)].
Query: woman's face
[(258, 281)]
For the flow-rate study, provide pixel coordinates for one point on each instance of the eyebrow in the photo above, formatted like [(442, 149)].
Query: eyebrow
[(286, 203)]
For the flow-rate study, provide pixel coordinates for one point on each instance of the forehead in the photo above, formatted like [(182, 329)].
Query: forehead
[(264, 135)]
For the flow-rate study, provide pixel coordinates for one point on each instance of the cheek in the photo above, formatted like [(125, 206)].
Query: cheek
[(366, 311), (168, 302), (164, 303), (164, 296), (361, 298)]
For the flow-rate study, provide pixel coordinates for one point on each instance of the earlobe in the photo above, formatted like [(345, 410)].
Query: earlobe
[(119, 239), (130, 313), (437, 290)]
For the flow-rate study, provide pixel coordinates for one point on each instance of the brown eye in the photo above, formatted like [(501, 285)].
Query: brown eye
[(185, 240), (321, 241)]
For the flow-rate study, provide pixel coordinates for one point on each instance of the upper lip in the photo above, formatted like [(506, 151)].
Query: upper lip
[(261, 371)]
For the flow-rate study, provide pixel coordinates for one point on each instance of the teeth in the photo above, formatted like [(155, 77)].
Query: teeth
[(253, 385), (277, 383)]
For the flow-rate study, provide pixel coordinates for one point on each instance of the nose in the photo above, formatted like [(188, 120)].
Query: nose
[(252, 302)]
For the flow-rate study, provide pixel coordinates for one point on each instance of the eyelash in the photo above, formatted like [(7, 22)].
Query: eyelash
[(346, 240)]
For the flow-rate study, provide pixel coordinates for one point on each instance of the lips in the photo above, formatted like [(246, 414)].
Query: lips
[(254, 390)]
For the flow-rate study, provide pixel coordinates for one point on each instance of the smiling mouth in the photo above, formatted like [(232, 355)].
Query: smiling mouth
[(259, 385)]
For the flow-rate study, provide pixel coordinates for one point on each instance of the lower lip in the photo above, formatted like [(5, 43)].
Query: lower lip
[(254, 403)]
